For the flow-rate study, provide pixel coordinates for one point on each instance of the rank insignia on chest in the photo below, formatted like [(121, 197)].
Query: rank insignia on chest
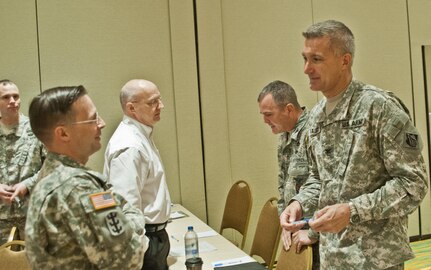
[(412, 140), (102, 200)]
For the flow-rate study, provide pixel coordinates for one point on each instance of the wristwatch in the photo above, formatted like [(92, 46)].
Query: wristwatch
[(354, 217)]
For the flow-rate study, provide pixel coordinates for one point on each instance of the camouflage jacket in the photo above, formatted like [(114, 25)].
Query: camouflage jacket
[(76, 222), (292, 161), (21, 157), (366, 152)]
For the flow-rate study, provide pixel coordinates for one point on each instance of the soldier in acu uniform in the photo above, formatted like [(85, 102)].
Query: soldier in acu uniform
[(21, 157), (75, 221), (367, 172), (280, 109)]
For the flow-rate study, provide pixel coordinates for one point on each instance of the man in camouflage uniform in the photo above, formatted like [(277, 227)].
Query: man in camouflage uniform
[(74, 221), (21, 156), (367, 172), (281, 111)]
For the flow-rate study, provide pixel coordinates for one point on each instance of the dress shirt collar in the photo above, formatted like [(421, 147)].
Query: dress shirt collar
[(146, 130)]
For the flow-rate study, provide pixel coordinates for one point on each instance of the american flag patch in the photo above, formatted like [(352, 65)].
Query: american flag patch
[(102, 200)]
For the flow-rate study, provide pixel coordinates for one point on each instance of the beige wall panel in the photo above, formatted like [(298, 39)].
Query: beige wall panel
[(186, 95), (420, 35), (243, 46), (213, 106), (18, 49), (104, 43)]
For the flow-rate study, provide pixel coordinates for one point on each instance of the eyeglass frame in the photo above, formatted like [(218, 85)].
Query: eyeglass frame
[(155, 103), (97, 121)]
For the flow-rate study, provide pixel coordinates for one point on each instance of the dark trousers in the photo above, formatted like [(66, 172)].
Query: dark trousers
[(157, 252), (316, 256)]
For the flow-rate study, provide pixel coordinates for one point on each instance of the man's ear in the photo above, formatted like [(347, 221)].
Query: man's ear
[(289, 107), (62, 133), (130, 107), (347, 60)]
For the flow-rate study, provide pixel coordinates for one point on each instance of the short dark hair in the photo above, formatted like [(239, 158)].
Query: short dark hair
[(282, 93), (6, 81), (52, 107)]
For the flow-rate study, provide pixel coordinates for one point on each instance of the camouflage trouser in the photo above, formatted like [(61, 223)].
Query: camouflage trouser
[(6, 226)]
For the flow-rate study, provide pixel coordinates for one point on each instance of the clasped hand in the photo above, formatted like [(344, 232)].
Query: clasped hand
[(332, 218)]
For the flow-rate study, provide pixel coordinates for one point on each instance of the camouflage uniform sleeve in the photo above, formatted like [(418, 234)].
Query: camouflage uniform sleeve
[(309, 192), (135, 216), (30, 182), (108, 231), (400, 148), (281, 175)]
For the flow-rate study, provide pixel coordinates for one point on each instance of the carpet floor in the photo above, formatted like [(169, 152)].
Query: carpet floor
[(422, 250)]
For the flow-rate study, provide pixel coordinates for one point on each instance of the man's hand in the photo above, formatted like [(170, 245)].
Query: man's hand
[(333, 218), (293, 212), (20, 191), (286, 237), (6, 193), (301, 238)]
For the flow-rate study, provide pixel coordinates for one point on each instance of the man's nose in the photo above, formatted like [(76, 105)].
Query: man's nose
[(307, 67)]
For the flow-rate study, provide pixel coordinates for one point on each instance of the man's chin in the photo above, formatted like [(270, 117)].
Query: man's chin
[(275, 131)]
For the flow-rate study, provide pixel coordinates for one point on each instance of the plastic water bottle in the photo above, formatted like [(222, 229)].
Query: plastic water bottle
[(191, 243)]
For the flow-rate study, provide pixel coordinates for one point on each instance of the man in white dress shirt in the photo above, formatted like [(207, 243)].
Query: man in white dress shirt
[(134, 167)]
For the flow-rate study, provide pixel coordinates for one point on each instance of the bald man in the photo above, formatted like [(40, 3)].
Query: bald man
[(134, 167)]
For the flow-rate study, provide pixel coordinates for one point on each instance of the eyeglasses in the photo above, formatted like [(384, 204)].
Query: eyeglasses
[(97, 121), (155, 102)]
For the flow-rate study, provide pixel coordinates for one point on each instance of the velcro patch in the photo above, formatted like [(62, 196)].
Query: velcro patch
[(115, 225), (102, 200), (412, 140)]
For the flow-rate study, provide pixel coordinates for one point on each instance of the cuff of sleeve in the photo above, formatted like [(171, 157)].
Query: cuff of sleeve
[(313, 235), (354, 216)]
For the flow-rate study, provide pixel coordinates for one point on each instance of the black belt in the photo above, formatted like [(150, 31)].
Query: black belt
[(149, 228)]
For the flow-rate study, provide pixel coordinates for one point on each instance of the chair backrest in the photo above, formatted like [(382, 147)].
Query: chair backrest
[(13, 235), (237, 209), (267, 235), (292, 260), (10, 259)]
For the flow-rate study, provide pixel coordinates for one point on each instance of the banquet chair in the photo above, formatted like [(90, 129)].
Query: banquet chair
[(10, 259), (237, 209), (267, 235), (288, 260)]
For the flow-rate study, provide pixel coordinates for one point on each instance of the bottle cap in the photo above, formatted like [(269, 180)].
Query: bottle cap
[(190, 228)]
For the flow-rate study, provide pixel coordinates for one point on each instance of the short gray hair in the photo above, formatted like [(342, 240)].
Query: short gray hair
[(340, 36), (282, 93)]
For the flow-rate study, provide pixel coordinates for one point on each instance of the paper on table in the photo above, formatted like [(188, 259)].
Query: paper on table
[(200, 235), (178, 214), (207, 234), (233, 261), (179, 251)]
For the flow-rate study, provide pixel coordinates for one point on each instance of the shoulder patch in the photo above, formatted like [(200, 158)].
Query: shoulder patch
[(115, 224), (102, 200), (412, 140)]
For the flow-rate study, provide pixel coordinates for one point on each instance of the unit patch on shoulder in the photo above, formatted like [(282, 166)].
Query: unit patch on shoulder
[(115, 225), (102, 200), (412, 140)]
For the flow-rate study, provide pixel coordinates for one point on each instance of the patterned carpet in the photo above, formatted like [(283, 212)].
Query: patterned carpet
[(422, 250)]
